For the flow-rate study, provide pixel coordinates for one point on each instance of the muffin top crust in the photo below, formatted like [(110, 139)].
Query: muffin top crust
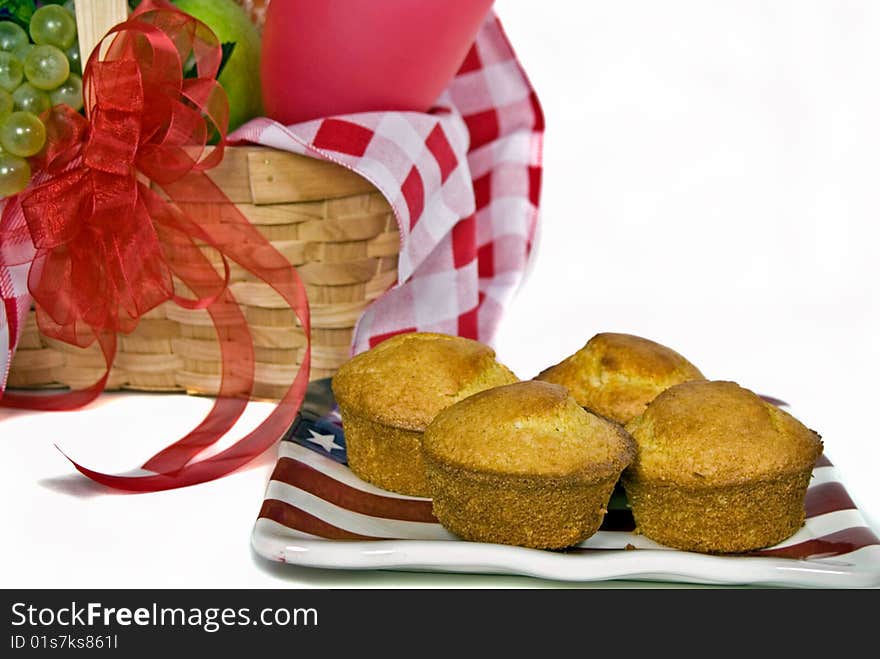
[(702, 434), (617, 375), (527, 429), (406, 380)]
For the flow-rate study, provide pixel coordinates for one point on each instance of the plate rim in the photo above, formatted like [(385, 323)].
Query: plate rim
[(663, 565)]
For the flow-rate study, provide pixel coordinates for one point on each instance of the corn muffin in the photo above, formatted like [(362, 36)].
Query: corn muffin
[(718, 469), (617, 375), (523, 464), (388, 395)]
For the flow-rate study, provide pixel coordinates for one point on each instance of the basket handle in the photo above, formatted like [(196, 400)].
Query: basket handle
[(93, 19)]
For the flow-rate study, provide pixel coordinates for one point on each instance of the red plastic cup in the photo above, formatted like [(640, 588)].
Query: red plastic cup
[(326, 57)]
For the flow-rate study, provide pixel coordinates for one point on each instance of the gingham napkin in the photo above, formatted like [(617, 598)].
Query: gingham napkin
[(464, 182)]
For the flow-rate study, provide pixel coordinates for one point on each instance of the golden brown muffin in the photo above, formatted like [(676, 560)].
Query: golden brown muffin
[(523, 464), (388, 395), (617, 375), (718, 469)]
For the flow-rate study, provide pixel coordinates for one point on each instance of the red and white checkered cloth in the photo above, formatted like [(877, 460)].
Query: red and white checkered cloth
[(15, 301), (464, 182)]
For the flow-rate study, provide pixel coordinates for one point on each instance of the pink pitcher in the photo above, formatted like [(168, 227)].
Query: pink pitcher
[(328, 57)]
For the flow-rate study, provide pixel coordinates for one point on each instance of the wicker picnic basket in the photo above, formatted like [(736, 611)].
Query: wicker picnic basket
[(330, 223)]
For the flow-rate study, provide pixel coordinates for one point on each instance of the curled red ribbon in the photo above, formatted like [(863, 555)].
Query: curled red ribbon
[(108, 247)]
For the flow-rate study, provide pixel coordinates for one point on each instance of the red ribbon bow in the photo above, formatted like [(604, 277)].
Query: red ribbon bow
[(108, 246)]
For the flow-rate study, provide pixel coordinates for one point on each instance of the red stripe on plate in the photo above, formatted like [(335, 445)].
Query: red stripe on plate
[(306, 477), (827, 498), (833, 544), (299, 520)]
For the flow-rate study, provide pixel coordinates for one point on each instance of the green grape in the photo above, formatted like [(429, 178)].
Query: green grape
[(22, 134), (53, 25), (30, 99), (46, 67), (22, 51), (11, 36), (11, 71), (70, 93), (74, 58), (6, 103), (15, 173)]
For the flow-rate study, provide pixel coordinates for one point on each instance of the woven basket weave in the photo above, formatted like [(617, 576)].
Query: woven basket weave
[(330, 223)]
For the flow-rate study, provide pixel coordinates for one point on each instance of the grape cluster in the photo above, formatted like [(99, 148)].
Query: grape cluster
[(37, 70)]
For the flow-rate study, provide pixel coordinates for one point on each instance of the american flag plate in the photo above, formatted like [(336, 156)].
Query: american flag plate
[(317, 513)]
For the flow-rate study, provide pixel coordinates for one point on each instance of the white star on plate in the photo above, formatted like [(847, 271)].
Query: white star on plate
[(327, 442)]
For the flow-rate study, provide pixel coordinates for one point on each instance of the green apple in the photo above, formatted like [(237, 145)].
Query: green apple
[(241, 75)]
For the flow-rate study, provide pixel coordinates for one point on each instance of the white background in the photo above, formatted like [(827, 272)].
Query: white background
[(711, 182)]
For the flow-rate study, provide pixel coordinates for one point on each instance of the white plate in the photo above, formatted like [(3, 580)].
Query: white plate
[(317, 513)]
